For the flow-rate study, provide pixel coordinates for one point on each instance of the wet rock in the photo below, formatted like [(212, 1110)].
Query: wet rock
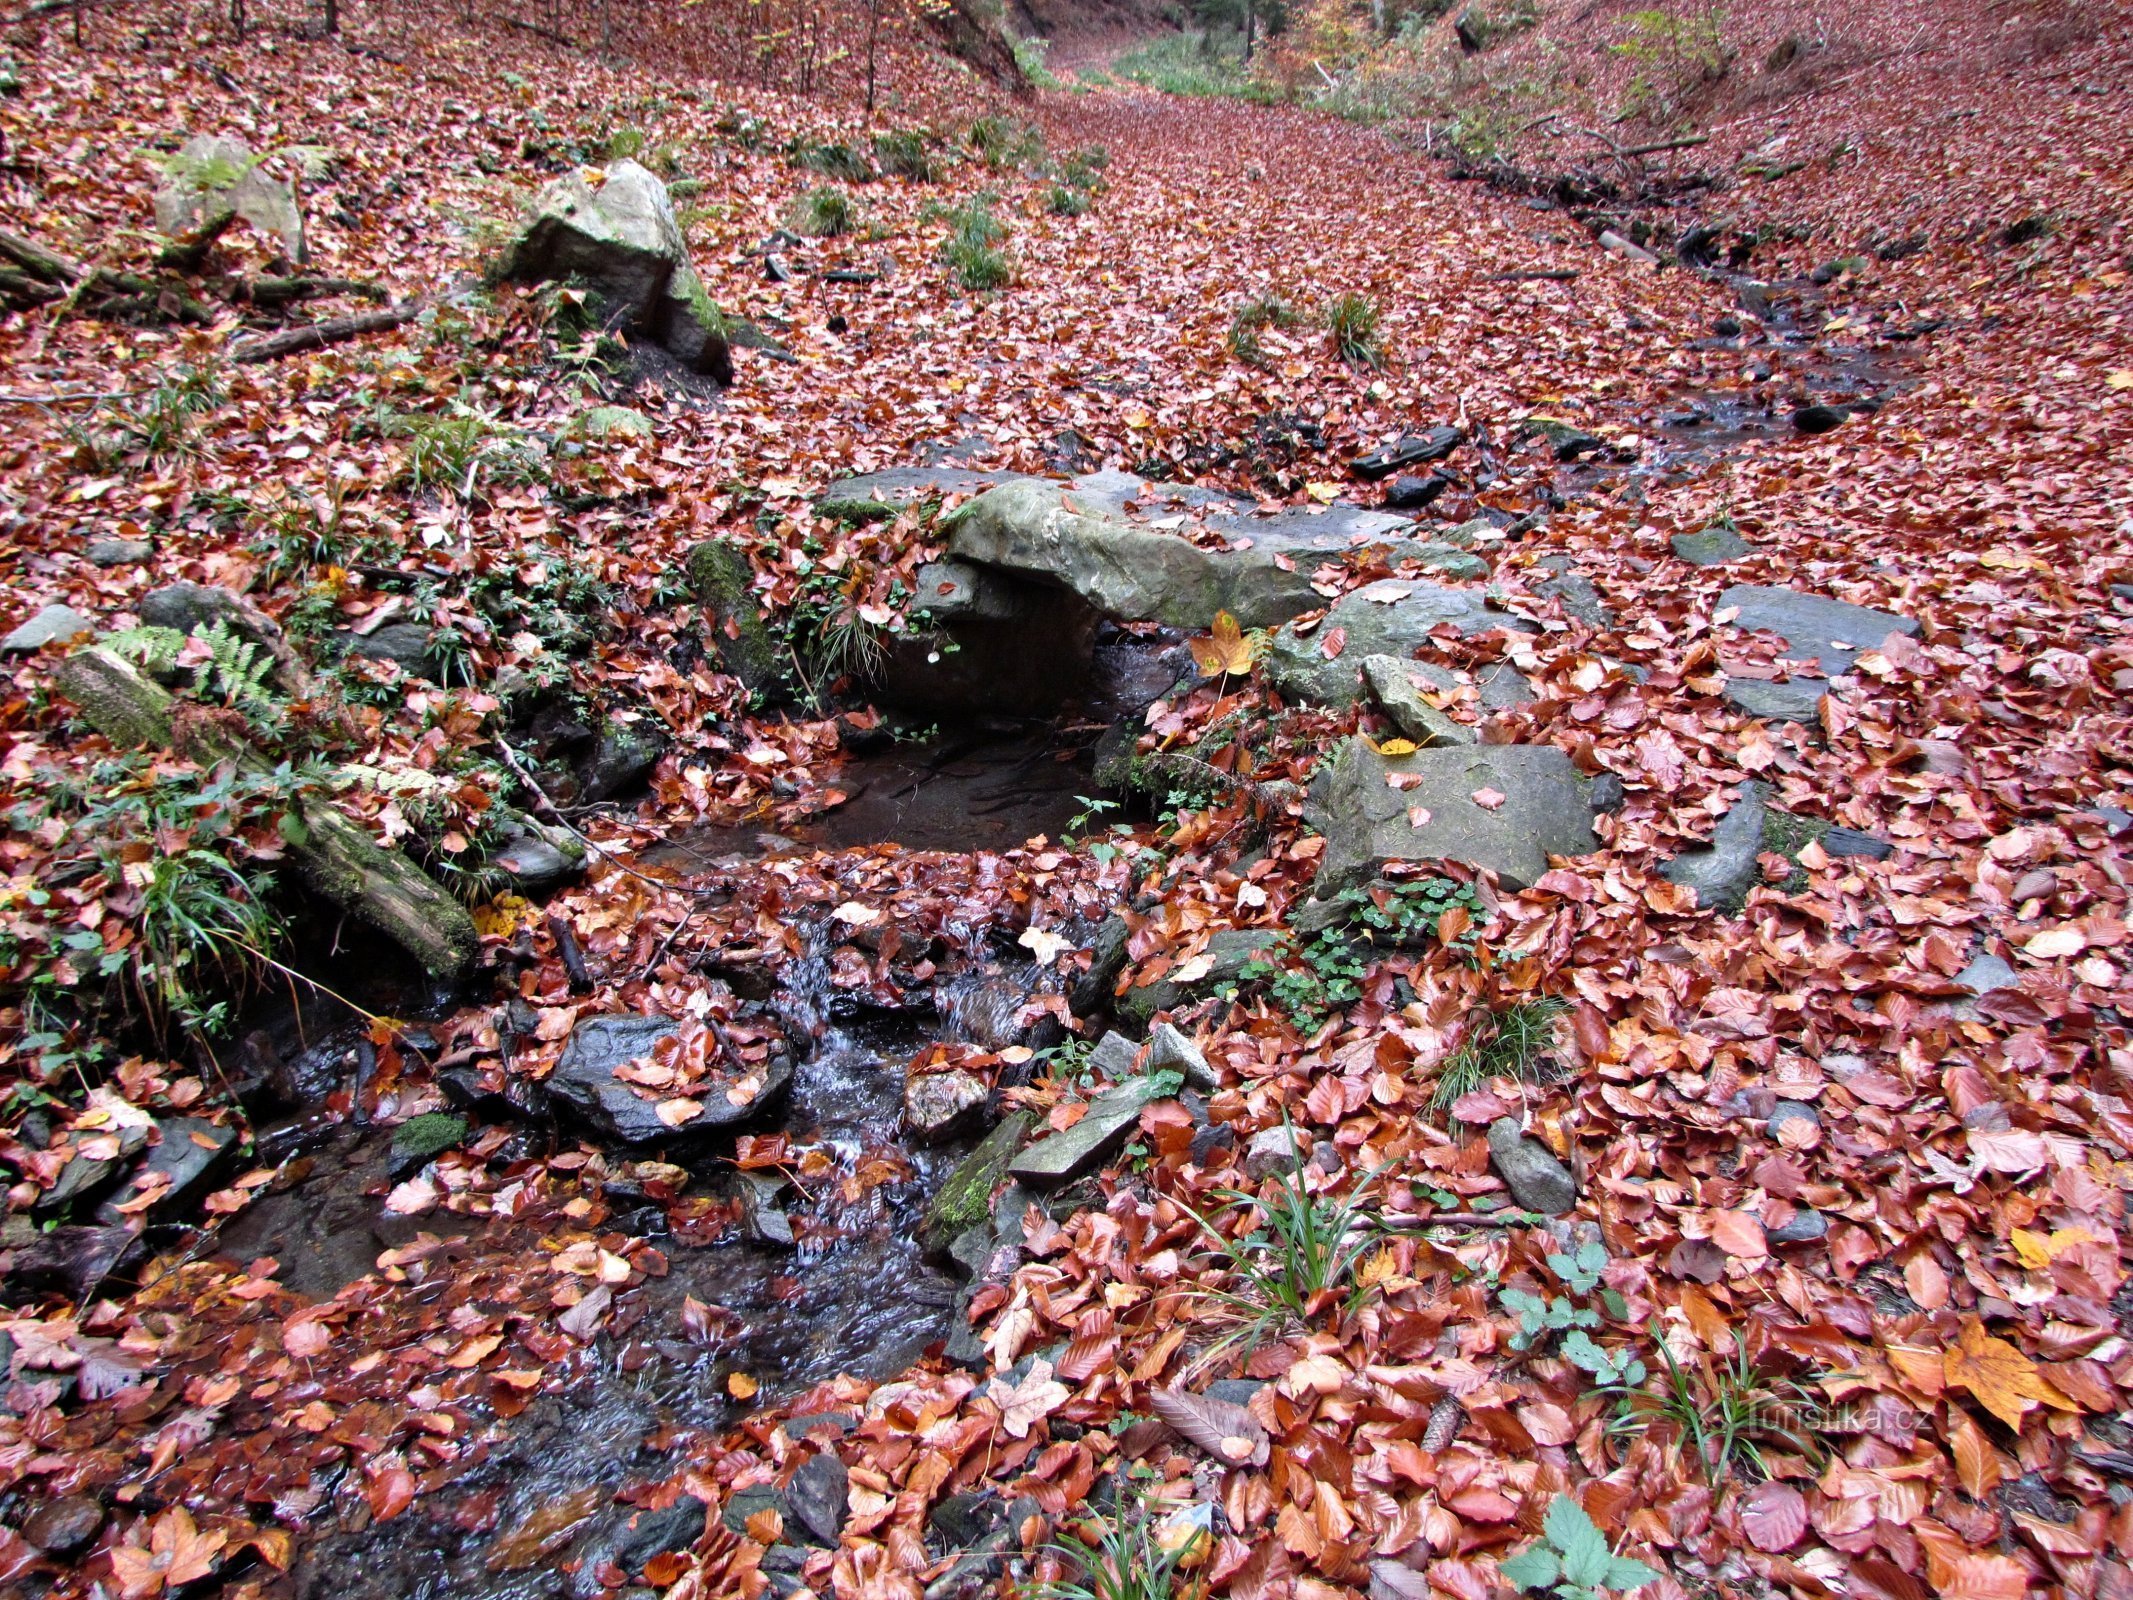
[(622, 756), (215, 176), (1228, 953), (64, 1527), (1108, 537), (1392, 617), (1805, 1226), (1542, 811), (1087, 1145), (1412, 450), (584, 1078), (964, 1199), (939, 1106), (118, 552), (1711, 546), (650, 1533), (817, 1497), (1986, 973), (1091, 993), (186, 1157), (1819, 418), (1851, 842), (763, 1216), (1170, 1051), (724, 584), (1272, 1150), (71, 1260), (1115, 1058), (55, 624), (987, 641), (1396, 685), (420, 1140), (1412, 494), (1580, 599), (1537, 1181), (85, 1176), (407, 645), (837, 1423), (537, 857), (1791, 1111), (745, 1503), (625, 240), (1723, 874)]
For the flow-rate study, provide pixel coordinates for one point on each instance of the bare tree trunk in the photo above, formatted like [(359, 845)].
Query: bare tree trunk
[(1251, 17), (333, 17), (873, 47)]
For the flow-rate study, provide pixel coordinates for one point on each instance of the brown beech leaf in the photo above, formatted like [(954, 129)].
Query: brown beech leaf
[(1774, 1515), (1228, 1432)]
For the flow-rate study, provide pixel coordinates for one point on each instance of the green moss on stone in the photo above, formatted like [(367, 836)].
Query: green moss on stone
[(725, 584), (965, 1198), (431, 1134)]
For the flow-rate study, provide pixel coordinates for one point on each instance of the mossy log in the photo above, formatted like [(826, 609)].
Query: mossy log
[(337, 857)]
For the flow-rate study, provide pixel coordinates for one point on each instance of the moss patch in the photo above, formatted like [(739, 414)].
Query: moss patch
[(965, 1199), (429, 1135)]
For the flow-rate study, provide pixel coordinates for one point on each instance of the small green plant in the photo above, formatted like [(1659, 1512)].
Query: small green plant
[(1122, 1554), (1723, 1412), (1064, 200), (838, 162), (1252, 318), (1205, 65), (1675, 55), (1004, 144), (823, 214), (1364, 925), (974, 250), (1538, 1317), (1351, 322), (1508, 1043), (1483, 25), (1299, 1256), (236, 672), (461, 449), (906, 155), (1572, 1559), (1091, 809), (163, 424)]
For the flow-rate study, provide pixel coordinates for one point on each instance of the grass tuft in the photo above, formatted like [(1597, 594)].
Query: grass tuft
[(1351, 321), (823, 214), (1510, 1043)]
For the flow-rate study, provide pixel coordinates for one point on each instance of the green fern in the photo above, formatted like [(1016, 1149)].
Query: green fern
[(153, 650), (236, 672)]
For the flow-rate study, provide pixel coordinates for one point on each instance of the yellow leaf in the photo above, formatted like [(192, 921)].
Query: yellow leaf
[(1324, 493), (2001, 559), (1397, 747), (2005, 1381), (2039, 1250), (2121, 379), (741, 1386), (1226, 649)]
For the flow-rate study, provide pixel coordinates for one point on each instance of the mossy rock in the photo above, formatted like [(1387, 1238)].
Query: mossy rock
[(724, 582), (965, 1197), (1232, 950), (611, 422), (1787, 835), (420, 1140)]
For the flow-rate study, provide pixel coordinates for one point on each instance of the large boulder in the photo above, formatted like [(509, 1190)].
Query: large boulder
[(724, 583), (624, 240), (1827, 634), (873, 495), (213, 177), (1116, 541), (1506, 808), (585, 1079), (1392, 617)]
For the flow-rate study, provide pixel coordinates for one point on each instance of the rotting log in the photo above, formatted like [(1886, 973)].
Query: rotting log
[(337, 857), (317, 336)]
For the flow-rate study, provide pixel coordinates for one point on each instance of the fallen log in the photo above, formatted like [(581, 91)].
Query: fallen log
[(336, 856), (317, 336), (288, 291)]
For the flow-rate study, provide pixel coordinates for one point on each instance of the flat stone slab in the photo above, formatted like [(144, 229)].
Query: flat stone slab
[(1089, 1143), (53, 625), (1797, 700), (1816, 629), (1506, 808), (185, 1155), (1710, 547), (1392, 617), (584, 1078), (1120, 543), (1723, 873), (881, 494)]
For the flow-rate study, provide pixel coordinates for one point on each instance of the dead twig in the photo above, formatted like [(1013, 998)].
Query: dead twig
[(318, 335)]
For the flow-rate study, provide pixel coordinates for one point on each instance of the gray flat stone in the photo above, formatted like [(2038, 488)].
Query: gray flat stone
[(964, 1199), (817, 1496), (584, 1077), (1089, 1143), (1432, 813), (1797, 700), (944, 1105), (1396, 685), (1713, 546), (1723, 874), (1806, 1226), (55, 624), (1272, 1150), (1986, 973), (1170, 1051), (1537, 1181), (118, 552), (1815, 628), (881, 494), (1393, 617), (1232, 950), (1791, 1111)]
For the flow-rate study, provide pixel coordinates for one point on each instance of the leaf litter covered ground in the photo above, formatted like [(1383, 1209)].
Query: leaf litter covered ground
[(1951, 1344)]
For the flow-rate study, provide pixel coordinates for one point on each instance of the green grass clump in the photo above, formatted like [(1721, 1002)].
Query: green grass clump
[(1119, 1554), (1254, 317), (1724, 1414), (905, 154), (1004, 144), (1064, 200), (1510, 1043), (837, 162), (1298, 1255), (462, 449), (975, 249), (823, 214), (1202, 65), (1351, 321)]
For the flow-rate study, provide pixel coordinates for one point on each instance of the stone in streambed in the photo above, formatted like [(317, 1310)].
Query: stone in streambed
[(1537, 1181), (1396, 684), (944, 1105), (1711, 546), (1092, 1141), (964, 1199), (1392, 617), (65, 1526), (817, 1497), (584, 1078), (1170, 1051)]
